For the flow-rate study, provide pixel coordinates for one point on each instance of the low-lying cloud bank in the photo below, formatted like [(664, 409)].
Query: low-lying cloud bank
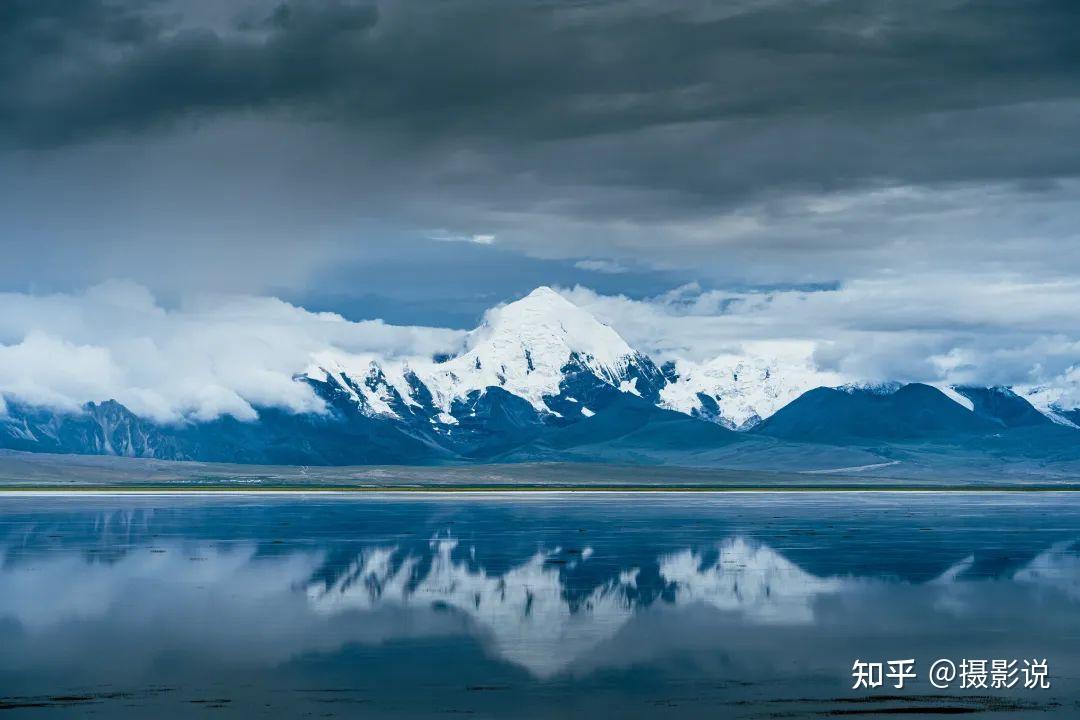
[(210, 356), (936, 327), (213, 355)]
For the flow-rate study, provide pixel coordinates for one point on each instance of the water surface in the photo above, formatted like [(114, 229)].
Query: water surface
[(746, 605)]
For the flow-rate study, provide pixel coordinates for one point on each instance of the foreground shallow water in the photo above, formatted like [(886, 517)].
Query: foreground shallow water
[(750, 605)]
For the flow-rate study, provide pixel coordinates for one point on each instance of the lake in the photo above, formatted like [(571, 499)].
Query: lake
[(535, 605)]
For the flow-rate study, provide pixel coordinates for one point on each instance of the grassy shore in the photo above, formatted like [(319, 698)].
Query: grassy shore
[(23, 472)]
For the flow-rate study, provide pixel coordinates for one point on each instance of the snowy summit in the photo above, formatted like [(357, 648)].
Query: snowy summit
[(525, 347)]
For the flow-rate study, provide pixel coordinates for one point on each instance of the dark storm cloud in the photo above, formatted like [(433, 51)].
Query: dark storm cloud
[(892, 185), (312, 149), (822, 95), (452, 284)]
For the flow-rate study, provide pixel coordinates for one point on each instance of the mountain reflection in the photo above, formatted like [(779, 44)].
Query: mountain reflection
[(525, 612), (530, 616), (544, 612), (533, 619)]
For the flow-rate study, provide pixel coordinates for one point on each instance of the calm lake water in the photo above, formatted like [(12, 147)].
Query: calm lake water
[(745, 605)]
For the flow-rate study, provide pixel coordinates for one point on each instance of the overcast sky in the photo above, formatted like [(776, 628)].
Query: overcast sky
[(886, 172)]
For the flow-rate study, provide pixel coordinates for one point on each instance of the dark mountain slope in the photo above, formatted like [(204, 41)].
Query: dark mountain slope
[(1003, 406), (912, 412)]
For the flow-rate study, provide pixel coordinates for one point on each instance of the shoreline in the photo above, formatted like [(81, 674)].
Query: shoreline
[(56, 490)]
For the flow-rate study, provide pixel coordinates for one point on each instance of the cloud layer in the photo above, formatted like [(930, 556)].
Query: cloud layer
[(891, 187), (213, 355), (261, 146), (944, 327), (208, 357)]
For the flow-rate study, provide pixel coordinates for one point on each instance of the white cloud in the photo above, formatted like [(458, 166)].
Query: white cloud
[(213, 355), (475, 239), (932, 327), (608, 267)]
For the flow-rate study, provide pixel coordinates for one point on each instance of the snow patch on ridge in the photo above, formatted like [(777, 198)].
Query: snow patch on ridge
[(374, 385), (740, 390), (1052, 401), (950, 392), (875, 388)]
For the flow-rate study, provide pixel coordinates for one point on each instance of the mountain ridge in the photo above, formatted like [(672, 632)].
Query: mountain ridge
[(541, 378)]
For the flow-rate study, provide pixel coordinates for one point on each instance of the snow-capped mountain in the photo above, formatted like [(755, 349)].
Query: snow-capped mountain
[(530, 347), (542, 349), (534, 365), (538, 378)]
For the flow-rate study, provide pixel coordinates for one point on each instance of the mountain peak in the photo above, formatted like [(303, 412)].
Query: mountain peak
[(544, 293), (544, 322), (524, 347), (541, 303)]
